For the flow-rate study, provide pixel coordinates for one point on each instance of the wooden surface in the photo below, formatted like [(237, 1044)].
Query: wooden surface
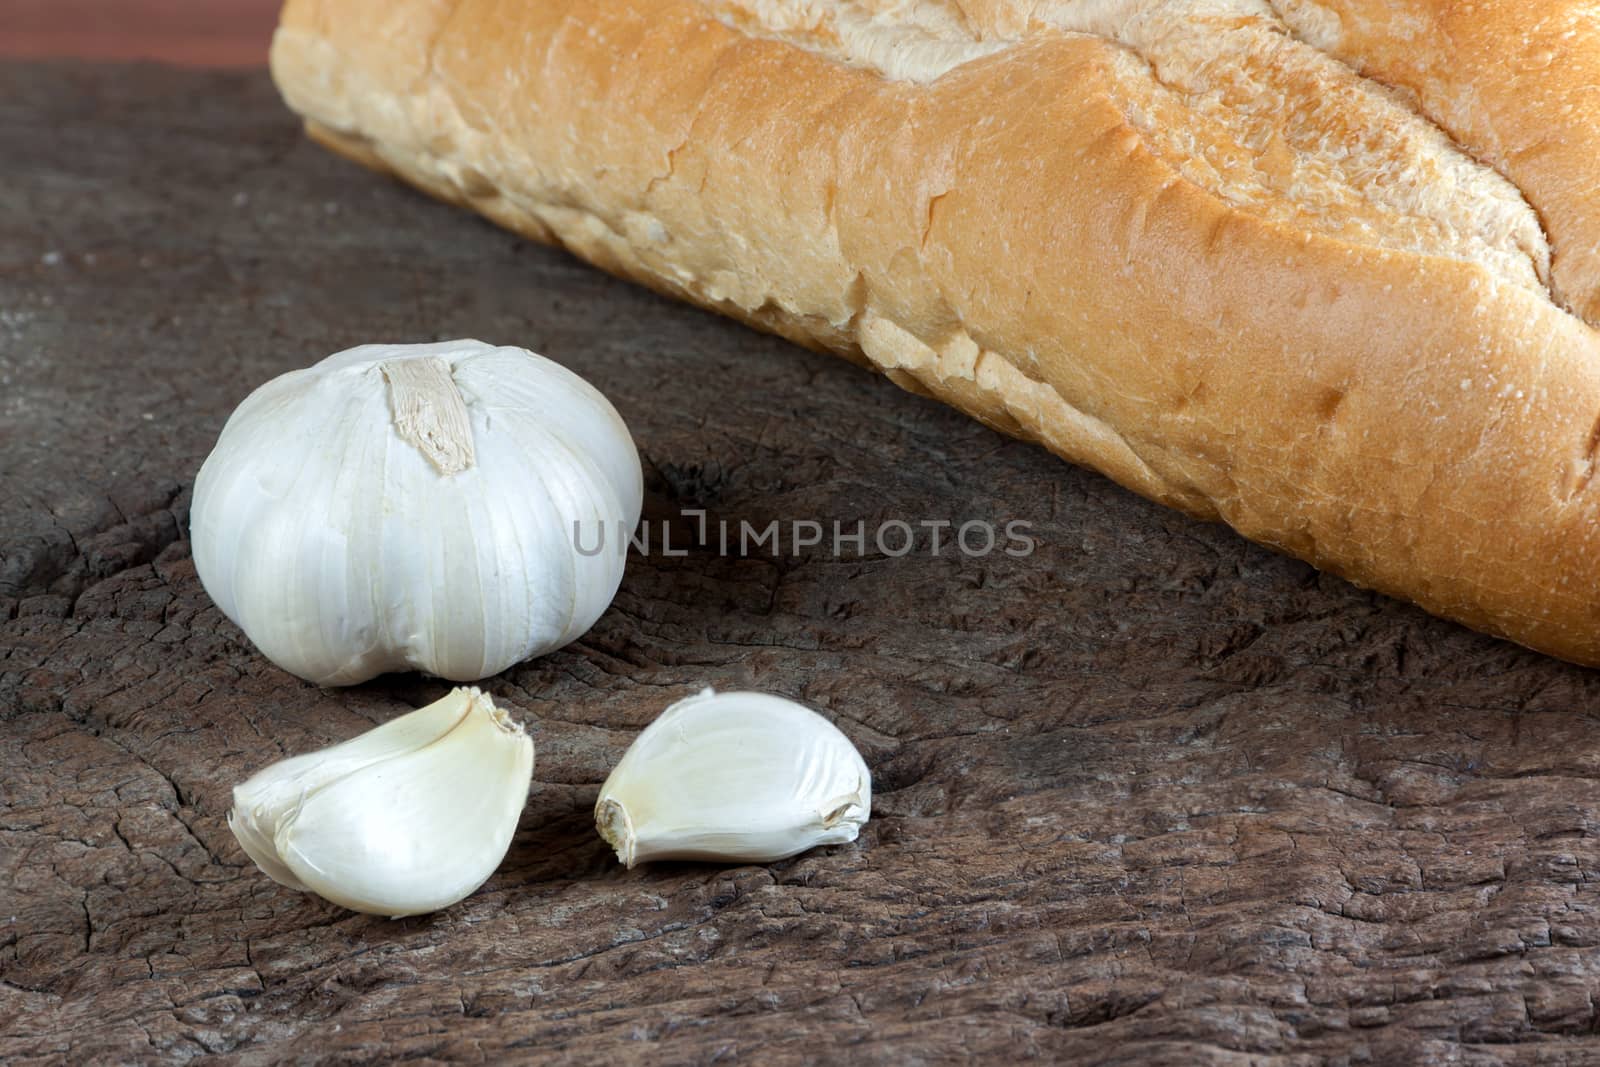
[(1149, 795), (192, 32)]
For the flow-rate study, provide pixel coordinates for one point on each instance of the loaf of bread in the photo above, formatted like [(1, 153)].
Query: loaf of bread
[(1326, 270)]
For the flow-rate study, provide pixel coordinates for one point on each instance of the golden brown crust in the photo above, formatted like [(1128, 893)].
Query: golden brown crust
[(1516, 81), (1391, 403)]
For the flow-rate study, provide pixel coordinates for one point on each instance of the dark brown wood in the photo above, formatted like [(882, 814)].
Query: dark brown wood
[(1150, 794)]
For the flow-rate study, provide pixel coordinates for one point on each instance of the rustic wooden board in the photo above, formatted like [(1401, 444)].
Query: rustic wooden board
[(1150, 794)]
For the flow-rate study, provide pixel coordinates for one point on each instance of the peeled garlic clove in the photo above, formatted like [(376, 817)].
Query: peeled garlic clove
[(743, 777), (407, 818)]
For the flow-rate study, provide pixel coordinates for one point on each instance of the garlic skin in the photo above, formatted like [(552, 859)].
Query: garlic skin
[(734, 777), (399, 507), (407, 818)]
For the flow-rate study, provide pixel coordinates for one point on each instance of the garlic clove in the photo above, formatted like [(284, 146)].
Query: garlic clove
[(743, 777), (267, 797), (407, 818)]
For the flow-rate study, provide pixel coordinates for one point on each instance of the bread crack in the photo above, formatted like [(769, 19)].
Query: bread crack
[(1229, 95)]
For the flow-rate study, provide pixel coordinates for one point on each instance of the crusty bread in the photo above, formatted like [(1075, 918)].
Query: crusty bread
[(1516, 83), (1186, 243)]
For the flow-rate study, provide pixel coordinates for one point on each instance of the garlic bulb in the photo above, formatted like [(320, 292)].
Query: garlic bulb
[(407, 818), (452, 508), (742, 777)]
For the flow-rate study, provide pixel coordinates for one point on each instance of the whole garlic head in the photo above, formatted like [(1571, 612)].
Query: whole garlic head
[(431, 507), (741, 777), (407, 818)]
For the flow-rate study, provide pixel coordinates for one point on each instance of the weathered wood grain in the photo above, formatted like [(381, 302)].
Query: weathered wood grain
[(1150, 794)]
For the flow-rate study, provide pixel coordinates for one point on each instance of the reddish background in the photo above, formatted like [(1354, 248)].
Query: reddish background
[(231, 33)]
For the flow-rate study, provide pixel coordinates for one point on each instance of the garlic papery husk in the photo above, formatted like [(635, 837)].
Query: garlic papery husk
[(734, 777), (407, 818), (452, 508)]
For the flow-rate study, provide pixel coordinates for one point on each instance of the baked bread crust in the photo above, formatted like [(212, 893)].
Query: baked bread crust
[(1186, 249), (1517, 83)]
